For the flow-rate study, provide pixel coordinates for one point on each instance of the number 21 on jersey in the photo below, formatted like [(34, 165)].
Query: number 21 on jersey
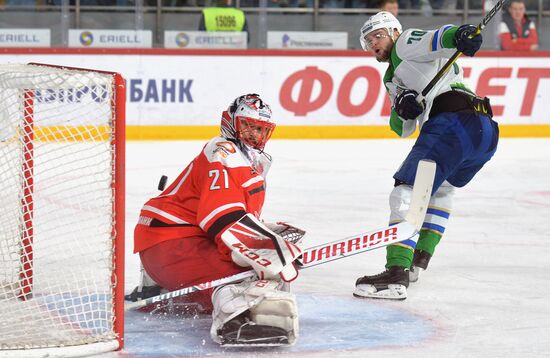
[(219, 178)]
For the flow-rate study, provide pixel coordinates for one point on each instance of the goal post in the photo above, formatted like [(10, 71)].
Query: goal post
[(62, 149)]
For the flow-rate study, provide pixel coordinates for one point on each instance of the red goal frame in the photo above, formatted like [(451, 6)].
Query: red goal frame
[(118, 140)]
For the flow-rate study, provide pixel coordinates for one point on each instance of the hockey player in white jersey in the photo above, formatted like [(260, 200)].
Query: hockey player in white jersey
[(456, 131)]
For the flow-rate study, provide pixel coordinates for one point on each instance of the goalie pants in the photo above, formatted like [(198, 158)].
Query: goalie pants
[(184, 262)]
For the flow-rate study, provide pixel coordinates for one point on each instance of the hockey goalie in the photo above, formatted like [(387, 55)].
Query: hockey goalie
[(205, 226)]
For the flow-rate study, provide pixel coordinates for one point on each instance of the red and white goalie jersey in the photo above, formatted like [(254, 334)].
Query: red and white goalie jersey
[(217, 188)]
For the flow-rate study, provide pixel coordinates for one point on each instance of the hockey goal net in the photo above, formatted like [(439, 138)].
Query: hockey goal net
[(61, 210)]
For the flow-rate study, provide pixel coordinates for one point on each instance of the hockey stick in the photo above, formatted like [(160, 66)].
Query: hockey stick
[(338, 249), (455, 56), (187, 290), (422, 191), (311, 256)]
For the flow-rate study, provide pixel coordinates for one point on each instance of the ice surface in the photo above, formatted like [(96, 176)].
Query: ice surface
[(485, 293)]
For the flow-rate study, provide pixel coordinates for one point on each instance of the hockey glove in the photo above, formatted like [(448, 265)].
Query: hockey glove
[(287, 231), (406, 105), (254, 244), (465, 44)]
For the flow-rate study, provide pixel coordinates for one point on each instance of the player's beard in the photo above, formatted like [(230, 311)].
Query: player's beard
[(383, 56), (383, 53)]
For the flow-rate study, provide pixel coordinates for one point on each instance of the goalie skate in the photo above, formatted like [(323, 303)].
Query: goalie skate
[(391, 285), (241, 331), (141, 293)]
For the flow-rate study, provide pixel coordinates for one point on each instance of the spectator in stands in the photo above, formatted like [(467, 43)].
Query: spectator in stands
[(288, 3), (391, 6), (332, 4), (19, 2), (472, 4), (517, 31), (226, 18), (409, 4)]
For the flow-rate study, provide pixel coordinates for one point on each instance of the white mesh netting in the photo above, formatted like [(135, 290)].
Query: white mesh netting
[(56, 207)]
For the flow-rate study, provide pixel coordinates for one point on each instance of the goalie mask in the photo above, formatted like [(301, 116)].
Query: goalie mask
[(381, 20), (248, 120)]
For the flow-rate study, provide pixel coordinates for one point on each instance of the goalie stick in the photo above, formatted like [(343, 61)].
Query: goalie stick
[(311, 256), (353, 245)]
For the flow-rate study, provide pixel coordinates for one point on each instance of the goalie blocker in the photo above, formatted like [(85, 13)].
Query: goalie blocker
[(254, 244)]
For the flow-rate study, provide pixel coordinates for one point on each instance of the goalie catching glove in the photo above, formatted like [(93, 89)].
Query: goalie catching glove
[(253, 244), (287, 231)]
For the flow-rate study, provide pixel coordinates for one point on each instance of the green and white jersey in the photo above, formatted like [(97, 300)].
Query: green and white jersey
[(415, 59)]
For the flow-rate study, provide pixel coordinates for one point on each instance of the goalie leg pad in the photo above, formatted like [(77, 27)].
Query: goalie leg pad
[(254, 313)]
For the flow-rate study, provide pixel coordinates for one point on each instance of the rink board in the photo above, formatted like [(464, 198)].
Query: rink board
[(180, 94)]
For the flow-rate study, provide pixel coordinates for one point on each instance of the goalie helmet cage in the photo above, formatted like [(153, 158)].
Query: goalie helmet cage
[(62, 137)]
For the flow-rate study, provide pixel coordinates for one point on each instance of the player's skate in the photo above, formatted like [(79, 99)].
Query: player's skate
[(391, 284), (254, 313), (142, 293), (147, 288), (419, 263)]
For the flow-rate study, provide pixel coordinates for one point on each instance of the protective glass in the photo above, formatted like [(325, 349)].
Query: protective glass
[(368, 40), (254, 132)]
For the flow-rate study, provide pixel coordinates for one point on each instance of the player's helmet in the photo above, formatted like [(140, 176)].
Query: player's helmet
[(248, 119), (381, 20)]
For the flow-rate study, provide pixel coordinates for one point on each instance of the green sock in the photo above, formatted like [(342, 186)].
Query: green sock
[(427, 241), (398, 256), (401, 256)]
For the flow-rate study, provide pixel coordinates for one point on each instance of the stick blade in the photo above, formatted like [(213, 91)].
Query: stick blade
[(422, 191)]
